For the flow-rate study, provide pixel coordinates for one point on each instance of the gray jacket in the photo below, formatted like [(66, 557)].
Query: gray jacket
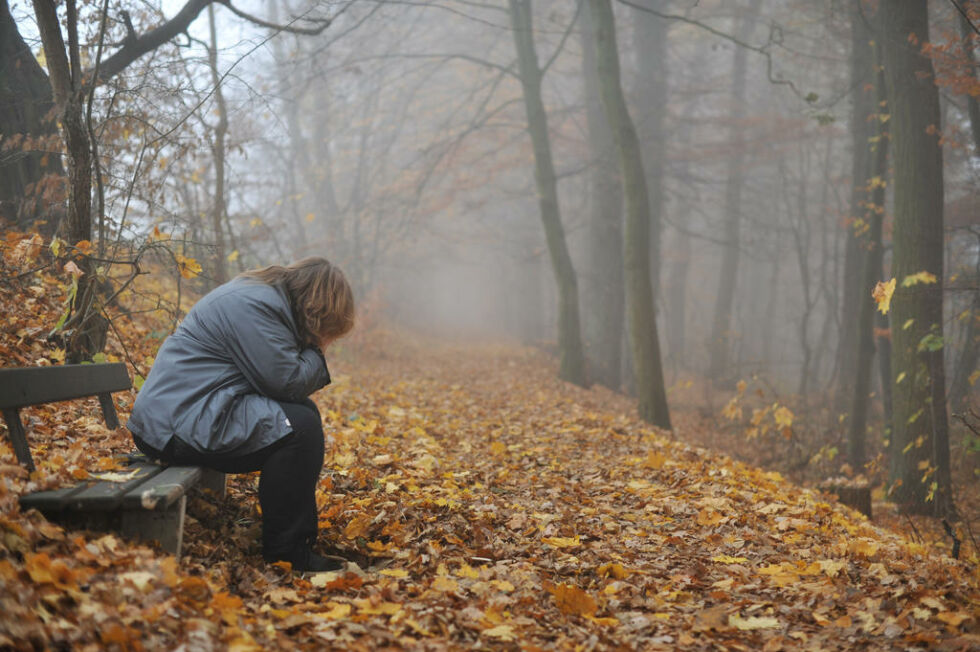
[(216, 381)]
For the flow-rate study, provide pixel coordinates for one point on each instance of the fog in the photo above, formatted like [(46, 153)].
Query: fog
[(396, 143)]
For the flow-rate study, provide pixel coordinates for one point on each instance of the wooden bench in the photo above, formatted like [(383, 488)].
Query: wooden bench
[(150, 501)]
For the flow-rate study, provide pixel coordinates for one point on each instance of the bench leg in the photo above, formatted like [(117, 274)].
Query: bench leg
[(213, 481), (15, 428), (165, 526)]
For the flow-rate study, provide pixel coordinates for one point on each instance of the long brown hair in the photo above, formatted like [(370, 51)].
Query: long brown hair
[(319, 295)]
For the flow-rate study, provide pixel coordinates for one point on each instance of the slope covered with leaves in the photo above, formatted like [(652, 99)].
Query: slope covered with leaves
[(486, 505)]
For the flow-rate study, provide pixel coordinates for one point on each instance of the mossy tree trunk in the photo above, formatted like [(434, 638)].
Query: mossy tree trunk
[(919, 445)]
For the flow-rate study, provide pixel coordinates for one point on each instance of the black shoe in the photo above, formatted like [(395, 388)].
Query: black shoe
[(304, 560)]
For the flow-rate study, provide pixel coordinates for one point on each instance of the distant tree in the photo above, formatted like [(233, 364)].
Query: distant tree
[(641, 316), (607, 302), (720, 343), (569, 329)]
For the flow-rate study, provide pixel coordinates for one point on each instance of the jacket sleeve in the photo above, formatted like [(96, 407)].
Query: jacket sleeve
[(261, 343)]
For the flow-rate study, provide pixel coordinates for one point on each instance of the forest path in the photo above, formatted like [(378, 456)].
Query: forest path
[(490, 505)]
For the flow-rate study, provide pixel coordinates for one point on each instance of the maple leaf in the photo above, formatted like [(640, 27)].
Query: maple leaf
[(882, 294)]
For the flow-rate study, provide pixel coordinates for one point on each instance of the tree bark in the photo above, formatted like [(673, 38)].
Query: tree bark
[(855, 249), (651, 95), (720, 345), (605, 318), (569, 332), (872, 213), (31, 177), (644, 341), (919, 446)]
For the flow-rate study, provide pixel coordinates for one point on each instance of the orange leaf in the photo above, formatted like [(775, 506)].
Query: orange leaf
[(572, 600)]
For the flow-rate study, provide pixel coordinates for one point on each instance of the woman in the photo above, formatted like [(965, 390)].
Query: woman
[(229, 388)]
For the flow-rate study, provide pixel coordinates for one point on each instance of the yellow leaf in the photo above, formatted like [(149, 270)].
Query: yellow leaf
[(233, 256), (655, 460), (882, 294), (783, 417), (447, 584), (365, 607), (468, 571), (188, 267), (919, 277), (562, 542), (394, 572), (310, 217), (503, 632), (614, 570), (83, 247), (753, 622), (498, 448), (503, 585), (953, 618), (338, 611), (974, 377), (864, 547), (726, 559)]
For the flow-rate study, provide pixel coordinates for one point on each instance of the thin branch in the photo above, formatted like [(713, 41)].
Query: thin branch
[(321, 23), (775, 38)]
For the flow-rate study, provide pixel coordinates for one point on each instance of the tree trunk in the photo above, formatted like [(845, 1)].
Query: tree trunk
[(84, 332), (855, 248), (606, 301), (219, 268), (968, 359), (569, 333), (651, 97), (32, 189), (720, 345), (644, 341), (919, 446), (872, 213)]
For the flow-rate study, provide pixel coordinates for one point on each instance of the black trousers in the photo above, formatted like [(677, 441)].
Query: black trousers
[(290, 469)]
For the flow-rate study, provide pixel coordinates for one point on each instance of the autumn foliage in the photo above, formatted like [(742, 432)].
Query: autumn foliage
[(483, 503)]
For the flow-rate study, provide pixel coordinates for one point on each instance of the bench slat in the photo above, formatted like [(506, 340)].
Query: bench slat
[(50, 501), (35, 385), (164, 489), (106, 496)]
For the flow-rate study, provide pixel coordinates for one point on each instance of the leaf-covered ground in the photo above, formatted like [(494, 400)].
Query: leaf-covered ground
[(486, 504)]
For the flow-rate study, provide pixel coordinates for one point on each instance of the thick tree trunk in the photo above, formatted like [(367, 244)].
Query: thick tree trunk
[(720, 344), (605, 314), (873, 211), (569, 332), (919, 447), (644, 341), (32, 184), (862, 130)]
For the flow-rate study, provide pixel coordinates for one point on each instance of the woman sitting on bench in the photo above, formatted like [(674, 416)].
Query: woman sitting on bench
[(228, 391)]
